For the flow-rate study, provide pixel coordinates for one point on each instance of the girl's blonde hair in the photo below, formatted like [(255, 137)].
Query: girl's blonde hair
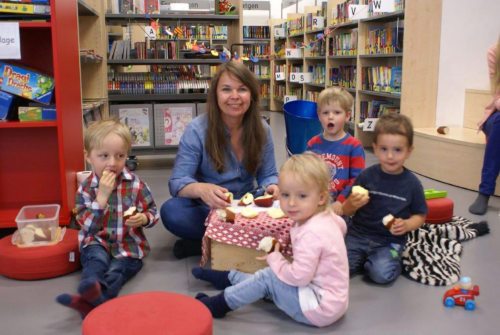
[(495, 80), (310, 169), (97, 131), (336, 94)]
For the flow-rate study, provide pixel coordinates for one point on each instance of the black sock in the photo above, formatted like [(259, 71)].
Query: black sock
[(187, 248), (481, 228), (480, 205), (220, 279), (216, 304)]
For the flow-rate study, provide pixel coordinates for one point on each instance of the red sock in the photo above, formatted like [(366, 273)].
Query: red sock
[(90, 291), (76, 302)]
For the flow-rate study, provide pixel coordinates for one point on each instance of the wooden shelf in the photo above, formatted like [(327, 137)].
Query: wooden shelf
[(164, 61), (25, 124), (385, 17), (35, 24), (392, 55), (382, 94), (157, 97), (86, 10), (124, 18)]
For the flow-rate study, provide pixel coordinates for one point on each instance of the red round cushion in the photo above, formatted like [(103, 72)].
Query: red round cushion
[(40, 262), (151, 313), (440, 210)]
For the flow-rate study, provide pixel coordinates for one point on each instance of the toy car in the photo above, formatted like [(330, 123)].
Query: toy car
[(461, 297)]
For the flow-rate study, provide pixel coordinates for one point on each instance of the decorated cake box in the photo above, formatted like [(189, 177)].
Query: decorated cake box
[(26, 83)]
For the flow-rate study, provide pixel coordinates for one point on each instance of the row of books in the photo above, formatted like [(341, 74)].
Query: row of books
[(165, 86), (32, 7), (344, 44), (158, 49), (295, 26), (319, 74), (312, 95), (344, 75), (256, 32), (385, 40), (382, 78), (264, 90), (279, 91), (318, 49), (202, 32), (259, 50), (376, 108), (260, 70)]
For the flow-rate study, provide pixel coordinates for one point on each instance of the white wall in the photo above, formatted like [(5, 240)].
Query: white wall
[(468, 28)]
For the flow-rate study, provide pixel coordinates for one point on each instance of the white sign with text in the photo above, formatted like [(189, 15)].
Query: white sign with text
[(10, 44)]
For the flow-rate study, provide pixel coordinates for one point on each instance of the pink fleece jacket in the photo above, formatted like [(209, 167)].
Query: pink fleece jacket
[(494, 105), (320, 268)]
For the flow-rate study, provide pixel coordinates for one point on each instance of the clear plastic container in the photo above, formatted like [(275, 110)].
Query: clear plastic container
[(38, 224)]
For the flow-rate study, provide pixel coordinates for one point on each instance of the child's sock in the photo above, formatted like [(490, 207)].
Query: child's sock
[(216, 304), (480, 205), (76, 302), (90, 291), (220, 279)]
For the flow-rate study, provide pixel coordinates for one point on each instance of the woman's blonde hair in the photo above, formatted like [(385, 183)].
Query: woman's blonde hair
[(254, 135), (310, 169), (97, 131)]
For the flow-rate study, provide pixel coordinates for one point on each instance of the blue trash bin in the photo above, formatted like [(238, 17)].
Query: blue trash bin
[(302, 123)]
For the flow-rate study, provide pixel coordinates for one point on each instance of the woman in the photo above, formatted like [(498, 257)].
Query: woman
[(228, 149), (490, 125)]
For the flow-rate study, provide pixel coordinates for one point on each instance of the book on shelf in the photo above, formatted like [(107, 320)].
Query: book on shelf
[(24, 8)]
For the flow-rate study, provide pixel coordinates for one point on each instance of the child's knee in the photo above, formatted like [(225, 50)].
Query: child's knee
[(383, 273)]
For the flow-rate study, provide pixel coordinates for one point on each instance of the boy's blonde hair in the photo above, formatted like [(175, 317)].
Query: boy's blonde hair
[(312, 170), (394, 124), (336, 94), (97, 131)]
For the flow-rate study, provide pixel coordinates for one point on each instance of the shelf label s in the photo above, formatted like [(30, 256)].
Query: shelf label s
[(10, 46), (279, 76), (369, 124), (150, 32), (305, 77), (358, 12), (288, 98)]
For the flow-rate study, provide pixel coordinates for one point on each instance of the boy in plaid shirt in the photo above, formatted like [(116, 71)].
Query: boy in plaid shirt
[(112, 247)]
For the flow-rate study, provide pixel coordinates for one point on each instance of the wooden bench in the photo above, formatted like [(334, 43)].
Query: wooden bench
[(457, 157)]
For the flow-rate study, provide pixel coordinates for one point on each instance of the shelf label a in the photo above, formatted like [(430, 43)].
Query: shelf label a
[(383, 6), (10, 46), (288, 98), (358, 12), (279, 76), (150, 32), (369, 124)]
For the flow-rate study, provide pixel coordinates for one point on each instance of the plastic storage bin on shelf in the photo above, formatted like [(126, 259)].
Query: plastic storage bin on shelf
[(302, 123), (38, 224)]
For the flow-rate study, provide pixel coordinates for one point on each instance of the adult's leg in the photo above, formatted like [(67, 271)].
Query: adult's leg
[(491, 165), (185, 217), (383, 264)]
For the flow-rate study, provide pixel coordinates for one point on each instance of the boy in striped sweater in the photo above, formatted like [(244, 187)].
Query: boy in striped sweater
[(342, 152)]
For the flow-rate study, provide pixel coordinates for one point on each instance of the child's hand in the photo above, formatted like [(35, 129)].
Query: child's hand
[(273, 190), (137, 220), (277, 247), (337, 208), (358, 200), (400, 227), (107, 184)]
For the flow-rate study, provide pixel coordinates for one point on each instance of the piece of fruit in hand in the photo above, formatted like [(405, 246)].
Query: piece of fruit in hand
[(246, 200), (264, 201)]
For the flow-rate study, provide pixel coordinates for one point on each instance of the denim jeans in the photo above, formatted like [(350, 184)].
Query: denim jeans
[(185, 217), (247, 288), (381, 262), (112, 273), (491, 161)]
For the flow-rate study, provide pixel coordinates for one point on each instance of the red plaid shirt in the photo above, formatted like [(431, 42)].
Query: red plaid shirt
[(105, 226)]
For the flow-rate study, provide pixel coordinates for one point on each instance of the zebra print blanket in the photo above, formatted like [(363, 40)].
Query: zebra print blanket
[(432, 253)]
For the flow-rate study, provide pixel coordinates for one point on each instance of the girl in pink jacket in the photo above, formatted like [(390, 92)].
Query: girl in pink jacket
[(312, 289)]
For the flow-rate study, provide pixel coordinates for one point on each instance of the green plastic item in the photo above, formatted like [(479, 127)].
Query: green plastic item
[(431, 193)]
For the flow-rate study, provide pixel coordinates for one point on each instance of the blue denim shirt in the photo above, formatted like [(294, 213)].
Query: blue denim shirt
[(193, 164)]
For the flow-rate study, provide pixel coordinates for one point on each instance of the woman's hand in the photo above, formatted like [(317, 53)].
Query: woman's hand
[(213, 195), (274, 190)]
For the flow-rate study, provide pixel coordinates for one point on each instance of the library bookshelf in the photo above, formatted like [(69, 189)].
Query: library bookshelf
[(39, 160)]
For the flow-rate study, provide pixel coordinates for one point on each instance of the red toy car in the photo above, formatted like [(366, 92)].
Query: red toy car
[(461, 297)]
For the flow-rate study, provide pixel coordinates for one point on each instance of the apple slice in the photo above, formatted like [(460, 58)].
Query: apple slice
[(359, 189), (275, 213), (249, 212), (229, 197), (230, 214), (267, 244), (388, 221), (246, 200), (264, 201), (131, 211)]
